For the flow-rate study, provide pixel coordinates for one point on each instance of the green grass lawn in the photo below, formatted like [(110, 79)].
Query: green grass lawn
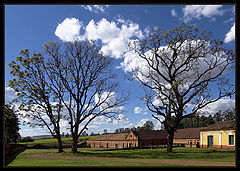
[(54, 140), (178, 154)]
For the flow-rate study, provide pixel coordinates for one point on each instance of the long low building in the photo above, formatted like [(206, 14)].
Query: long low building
[(219, 135), (128, 140), (187, 137)]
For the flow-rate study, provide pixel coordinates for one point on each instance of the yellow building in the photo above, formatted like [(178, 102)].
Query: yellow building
[(219, 135)]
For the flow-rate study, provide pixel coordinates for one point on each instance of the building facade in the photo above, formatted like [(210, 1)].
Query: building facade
[(189, 137), (129, 140), (219, 135)]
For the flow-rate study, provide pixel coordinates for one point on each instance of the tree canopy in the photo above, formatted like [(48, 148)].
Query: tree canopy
[(178, 67), (11, 124)]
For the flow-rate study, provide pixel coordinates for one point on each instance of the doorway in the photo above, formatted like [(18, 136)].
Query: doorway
[(210, 141)]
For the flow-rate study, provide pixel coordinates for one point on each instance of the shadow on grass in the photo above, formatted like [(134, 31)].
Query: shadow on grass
[(13, 151), (178, 154)]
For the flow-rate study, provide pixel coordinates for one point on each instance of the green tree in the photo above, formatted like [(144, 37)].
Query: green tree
[(39, 100), (148, 126), (177, 68), (88, 80), (229, 114), (11, 124), (218, 116)]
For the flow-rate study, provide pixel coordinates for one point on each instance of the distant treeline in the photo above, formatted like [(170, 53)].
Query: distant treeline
[(204, 120), (147, 126), (197, 121)]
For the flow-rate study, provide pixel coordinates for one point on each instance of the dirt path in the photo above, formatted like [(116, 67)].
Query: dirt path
[(178, 162)]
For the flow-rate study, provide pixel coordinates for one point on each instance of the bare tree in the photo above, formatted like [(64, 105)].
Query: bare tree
[(178, 68), (87, 77), (39, 101)]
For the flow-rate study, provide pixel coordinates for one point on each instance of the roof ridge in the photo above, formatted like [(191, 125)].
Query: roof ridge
[(221, 125)]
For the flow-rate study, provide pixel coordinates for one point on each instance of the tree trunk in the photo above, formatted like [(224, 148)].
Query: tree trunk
[(74, 144), (170, 141), (60, 146)]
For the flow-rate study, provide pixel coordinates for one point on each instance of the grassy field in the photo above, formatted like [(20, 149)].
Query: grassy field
[(54, 140), (94, 157)]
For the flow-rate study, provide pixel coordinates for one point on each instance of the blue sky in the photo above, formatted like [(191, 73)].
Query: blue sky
[(29, 26)]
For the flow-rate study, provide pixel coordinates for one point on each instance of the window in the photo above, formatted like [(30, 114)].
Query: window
[(231, 139)]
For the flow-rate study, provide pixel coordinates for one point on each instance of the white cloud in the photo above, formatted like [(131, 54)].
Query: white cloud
[(100, 120), (121, 119), (36, 110), (114, 38), (137, 110), (174, 13), (95, 8), (69, 30), (33, 132), (141, 122), (222, 104), (230, 36), (9, 94), (103, 30), (108, 102), (132, 61), (197, 11), (157, 125)]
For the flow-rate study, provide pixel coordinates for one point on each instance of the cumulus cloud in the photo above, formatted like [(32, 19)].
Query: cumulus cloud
[(157, 126), (108, 102), (114, 36), (115, 39), (100, 120), (197, 11), (103, 30), (222, 104), (121, 119), (137, 110), (95, 8), (230, 36), (69, 30), (142, 122)]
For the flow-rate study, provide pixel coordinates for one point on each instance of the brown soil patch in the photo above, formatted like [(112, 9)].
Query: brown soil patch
[(178, 162)]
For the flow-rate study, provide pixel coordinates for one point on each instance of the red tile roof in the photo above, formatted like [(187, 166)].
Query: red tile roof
[(144, 135), (107, 137), (150, 135), (187, 133), (225, 125)]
